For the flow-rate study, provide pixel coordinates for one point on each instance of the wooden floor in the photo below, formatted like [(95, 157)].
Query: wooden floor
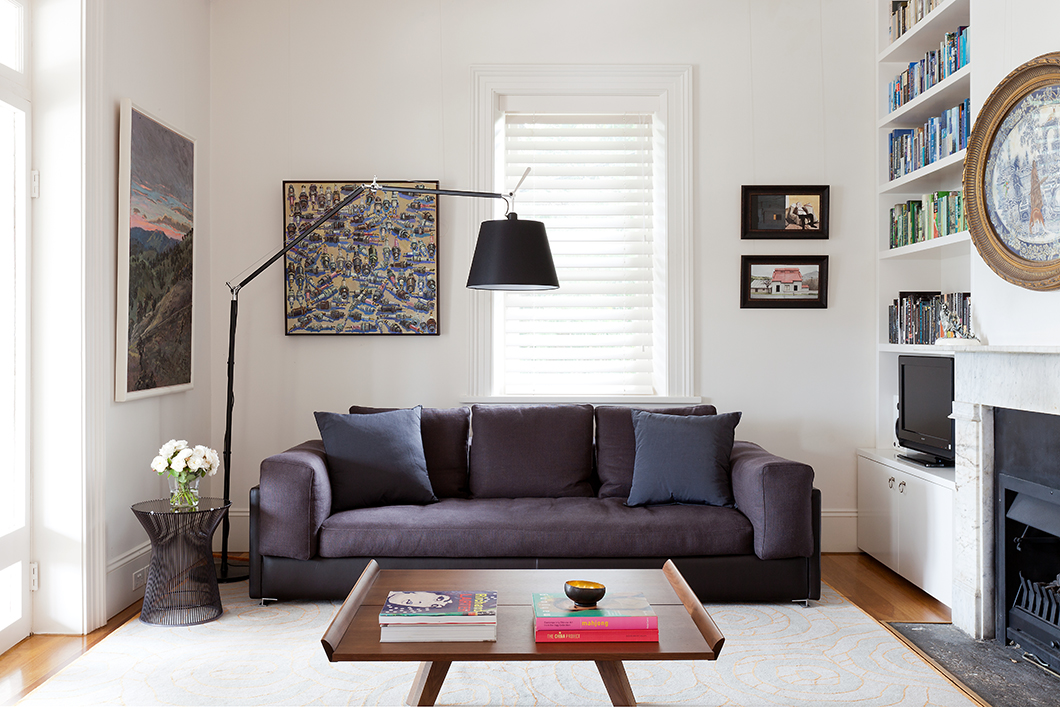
[(865, 582)]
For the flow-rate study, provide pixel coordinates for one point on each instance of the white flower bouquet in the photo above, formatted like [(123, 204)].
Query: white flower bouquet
[(185, 466)]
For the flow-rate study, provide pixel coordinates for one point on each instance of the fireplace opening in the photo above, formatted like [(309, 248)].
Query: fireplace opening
[(1027, 550)]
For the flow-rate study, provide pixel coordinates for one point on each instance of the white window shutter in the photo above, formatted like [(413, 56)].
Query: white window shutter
[(591, 184)]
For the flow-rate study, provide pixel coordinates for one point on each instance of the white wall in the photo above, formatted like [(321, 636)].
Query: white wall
[(158, 54), (1005, 34), (334, 90)]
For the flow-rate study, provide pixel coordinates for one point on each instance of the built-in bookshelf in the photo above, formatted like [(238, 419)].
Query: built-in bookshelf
[(925, 56)]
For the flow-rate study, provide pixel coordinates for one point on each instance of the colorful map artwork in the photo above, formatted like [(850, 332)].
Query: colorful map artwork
[(1022, 177), (371, 269)]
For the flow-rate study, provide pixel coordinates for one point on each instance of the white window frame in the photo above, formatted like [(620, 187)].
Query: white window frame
[(669, 87)]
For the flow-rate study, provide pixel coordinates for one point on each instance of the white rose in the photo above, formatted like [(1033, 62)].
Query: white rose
[(173, 445), (159, 464), (196, 460), (180, 459), (211, 457)]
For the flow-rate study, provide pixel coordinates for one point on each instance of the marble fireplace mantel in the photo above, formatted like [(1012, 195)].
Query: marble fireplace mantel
[(986, 377)]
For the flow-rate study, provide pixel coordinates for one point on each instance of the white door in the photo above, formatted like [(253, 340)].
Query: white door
[(14, 471), (926, 540), (877, 509)]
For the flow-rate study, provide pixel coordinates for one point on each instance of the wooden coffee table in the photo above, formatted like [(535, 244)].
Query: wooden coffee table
[(686, 631)]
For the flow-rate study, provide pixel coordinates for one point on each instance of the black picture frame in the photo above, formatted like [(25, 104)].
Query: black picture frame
[(806, 289), (784, 212)]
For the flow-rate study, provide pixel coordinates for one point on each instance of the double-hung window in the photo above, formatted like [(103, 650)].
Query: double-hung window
[(608, 149)]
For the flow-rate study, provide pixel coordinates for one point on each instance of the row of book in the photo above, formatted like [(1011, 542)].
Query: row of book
[(914, 318), (952, 54), (937, 214), (445, 616), (906, 13), (909, 149)]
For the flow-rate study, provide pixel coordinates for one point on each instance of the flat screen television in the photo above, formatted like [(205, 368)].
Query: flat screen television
[(925, 401)]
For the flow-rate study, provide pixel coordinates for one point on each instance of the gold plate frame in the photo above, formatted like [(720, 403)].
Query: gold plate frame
[(1027, 95)]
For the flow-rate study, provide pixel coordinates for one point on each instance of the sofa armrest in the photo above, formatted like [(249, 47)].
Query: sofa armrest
[(295, 499), (775, 495)]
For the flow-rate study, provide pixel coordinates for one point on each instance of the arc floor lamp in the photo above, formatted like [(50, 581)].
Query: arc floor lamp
[(510, 254)]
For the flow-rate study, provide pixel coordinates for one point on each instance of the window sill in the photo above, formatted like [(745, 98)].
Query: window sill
[(579, 399)]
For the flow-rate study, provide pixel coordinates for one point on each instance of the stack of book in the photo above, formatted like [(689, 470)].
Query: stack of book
[(618, 617), (430, 616)]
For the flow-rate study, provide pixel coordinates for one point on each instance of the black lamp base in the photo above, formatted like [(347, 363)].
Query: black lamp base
[(235, 571)]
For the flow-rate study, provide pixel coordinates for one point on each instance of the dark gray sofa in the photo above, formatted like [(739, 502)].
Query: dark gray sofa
[(537, 487)]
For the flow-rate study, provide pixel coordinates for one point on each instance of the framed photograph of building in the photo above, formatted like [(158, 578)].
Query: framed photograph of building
[(371, 269), (156, 199), (784, 212), (784, 281)]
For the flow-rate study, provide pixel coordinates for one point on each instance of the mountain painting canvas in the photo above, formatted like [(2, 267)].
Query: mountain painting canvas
[(155, 257)]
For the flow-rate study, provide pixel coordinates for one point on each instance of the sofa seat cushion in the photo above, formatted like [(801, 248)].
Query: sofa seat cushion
[(536, 527)]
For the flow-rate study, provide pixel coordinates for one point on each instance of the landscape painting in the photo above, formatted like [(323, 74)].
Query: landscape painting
[(777, 281), (372, 268), (156, 187)]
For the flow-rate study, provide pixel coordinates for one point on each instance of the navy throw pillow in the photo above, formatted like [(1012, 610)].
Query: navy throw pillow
[(683, 459), (375, 460)]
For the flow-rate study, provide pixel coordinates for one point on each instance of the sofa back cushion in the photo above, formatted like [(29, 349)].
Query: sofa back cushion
[(375, 460), (522, 451), (445, 433), (616, 445)]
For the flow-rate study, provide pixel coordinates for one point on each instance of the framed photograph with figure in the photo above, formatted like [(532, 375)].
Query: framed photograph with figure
[(156, 207), (784, 212)]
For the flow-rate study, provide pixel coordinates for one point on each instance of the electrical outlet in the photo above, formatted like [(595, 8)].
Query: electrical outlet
[(139, 578)]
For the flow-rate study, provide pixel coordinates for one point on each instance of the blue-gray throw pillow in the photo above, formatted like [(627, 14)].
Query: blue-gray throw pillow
[(682, 459), (375, 460)]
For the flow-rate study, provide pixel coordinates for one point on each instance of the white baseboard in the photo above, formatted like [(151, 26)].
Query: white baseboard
[(839, 530), (120, 592)]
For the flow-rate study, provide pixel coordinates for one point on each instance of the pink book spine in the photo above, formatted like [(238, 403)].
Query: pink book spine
[(598, 636), (586, 623)]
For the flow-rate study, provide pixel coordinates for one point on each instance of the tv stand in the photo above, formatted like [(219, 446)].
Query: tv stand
[(926, 460)]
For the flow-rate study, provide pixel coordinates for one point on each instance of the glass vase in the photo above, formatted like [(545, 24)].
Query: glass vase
[(184, 495)]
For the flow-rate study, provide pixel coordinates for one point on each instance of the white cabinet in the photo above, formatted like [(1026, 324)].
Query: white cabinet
[(905, 519)]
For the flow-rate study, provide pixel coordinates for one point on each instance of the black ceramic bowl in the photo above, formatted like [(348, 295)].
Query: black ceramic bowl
[(583, 592)]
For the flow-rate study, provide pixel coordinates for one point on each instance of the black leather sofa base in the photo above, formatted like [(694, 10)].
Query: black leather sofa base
[(737, 578)]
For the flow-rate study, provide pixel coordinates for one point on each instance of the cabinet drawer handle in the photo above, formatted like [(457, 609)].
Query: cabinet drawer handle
[(890, 483), (901, 487)]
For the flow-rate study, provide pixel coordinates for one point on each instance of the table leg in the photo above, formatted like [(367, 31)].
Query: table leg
[(428, 682), (614, 676)]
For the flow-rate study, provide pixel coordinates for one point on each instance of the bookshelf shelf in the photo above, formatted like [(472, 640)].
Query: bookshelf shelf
[(957, 242)]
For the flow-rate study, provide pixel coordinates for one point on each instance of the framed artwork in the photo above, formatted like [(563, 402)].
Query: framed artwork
[(371, 269), (784, 212), (1012, 176), (784, 281), (156, 199)]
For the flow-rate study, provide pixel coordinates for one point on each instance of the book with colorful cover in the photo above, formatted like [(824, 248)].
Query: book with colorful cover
[(445, 607), (598, 635), (618, 610)]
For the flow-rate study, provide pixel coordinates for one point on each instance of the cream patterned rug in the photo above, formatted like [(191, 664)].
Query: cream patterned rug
[(775, 654)]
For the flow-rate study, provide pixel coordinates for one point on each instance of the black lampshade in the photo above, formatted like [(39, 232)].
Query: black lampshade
[(512, 255)]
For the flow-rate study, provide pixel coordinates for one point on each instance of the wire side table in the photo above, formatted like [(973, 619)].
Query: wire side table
[(181, 581)]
